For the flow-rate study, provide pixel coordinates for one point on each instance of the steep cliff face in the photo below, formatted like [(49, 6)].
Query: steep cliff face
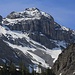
[(65, 64), (40, 26)]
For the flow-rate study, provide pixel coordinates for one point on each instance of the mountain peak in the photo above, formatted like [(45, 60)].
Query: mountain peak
[(32, 9), (36, 34), (28, 14)]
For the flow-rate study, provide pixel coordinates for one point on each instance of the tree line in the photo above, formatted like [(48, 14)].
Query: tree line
[(11, 69)]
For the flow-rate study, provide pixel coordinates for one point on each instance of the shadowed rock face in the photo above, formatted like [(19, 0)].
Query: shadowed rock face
[(65, 63), (8, 54)]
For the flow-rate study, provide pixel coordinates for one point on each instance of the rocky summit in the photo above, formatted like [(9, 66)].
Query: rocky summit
[(36, 34)]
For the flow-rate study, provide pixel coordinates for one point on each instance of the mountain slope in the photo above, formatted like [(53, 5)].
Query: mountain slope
[(8, 54), (65, 64), (36, 34), (34, 50)]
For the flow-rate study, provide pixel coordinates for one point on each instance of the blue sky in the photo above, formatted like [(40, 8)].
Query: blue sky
[(63, 11)]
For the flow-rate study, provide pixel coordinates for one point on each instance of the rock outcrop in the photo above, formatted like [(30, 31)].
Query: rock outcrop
[(1, 20), (65, 64)]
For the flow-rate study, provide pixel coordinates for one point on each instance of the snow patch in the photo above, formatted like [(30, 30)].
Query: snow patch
[(4, 60), (45, 14), (39, 60), (54, 53), (73, 72), (60, 74), (2, 30), (65, 28), (23, 49), (61, 43)]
